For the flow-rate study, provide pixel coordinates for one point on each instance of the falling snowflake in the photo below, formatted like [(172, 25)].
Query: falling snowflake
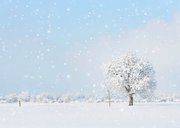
[(48, 31), (53, 66), (68, 9), (68, 76)]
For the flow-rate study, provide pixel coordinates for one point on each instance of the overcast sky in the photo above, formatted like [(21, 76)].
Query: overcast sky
[(59, 46)]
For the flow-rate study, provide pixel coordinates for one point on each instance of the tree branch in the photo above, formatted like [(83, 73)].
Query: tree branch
[(128, 89)]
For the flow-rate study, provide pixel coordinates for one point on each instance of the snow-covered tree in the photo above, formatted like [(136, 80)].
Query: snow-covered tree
[(44, 98), (24, 97), (130, 75)]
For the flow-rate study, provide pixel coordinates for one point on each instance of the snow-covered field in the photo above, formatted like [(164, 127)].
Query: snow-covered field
[(90, 115)]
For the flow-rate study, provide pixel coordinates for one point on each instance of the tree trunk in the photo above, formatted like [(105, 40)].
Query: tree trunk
[(19, 103), (109, 98), (130, 99)]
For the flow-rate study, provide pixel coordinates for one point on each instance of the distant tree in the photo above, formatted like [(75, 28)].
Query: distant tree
[(12, 98), (19, 103), (24, 97), (44, 98), (130, 75)]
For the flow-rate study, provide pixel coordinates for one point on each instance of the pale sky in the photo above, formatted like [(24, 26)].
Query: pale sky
[(59, 47)]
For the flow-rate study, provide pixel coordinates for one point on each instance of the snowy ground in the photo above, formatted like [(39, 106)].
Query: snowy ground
[(90, 115)]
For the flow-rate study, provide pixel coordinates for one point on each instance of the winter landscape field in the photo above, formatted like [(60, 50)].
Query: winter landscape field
[(90, 64), (90, 115)]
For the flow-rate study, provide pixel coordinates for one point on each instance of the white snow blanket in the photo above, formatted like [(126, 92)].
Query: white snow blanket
[(90, 115)]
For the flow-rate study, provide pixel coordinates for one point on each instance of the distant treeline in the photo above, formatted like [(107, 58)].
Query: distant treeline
[(46, 98)]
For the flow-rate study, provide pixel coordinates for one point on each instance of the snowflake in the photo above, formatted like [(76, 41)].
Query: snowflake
[(26, 76), (48, 31), (106, 26), (88, 74), (68, 9), (68, 76), (53, 66)]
